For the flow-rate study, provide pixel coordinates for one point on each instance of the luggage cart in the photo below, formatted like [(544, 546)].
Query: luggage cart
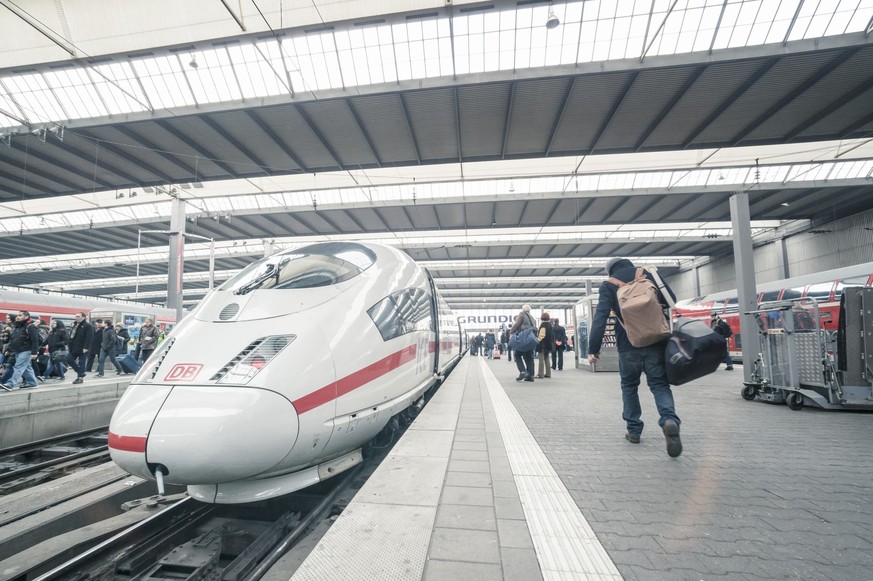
[(795, 364)]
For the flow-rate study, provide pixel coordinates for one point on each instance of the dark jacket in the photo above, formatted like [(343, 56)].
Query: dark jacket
[(25, 337), (97, 339), (607, 301), (81, 337), (560, 335), (547, 343), (108, 340), (57, 339)]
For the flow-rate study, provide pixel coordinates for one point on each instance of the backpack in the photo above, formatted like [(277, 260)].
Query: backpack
[(43, 334), (724, 329), (641, 311)]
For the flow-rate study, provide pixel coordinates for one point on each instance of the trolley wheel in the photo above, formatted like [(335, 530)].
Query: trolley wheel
[(749, 392), (794, 400)]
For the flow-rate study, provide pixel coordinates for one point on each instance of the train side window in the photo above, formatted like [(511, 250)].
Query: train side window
[(820, 292), (852, 281), (401, 313), (792, 293), (770, 296), (717, 306), (732, 306)]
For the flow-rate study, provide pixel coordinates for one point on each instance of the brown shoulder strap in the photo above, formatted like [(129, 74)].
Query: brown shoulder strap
[(640, 274), (615, 281)]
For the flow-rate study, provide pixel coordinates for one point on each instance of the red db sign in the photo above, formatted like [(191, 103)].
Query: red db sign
[(184, 372)]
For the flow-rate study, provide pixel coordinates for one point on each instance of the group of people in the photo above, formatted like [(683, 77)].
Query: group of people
[(32, 351), (552, 341)]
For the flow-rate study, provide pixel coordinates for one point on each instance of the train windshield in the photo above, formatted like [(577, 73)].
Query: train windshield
[(309, 267)]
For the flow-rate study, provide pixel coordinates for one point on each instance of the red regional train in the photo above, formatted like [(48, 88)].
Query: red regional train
[(825, 287), (50, 306)]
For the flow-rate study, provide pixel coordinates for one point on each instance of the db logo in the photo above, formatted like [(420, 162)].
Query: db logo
[(184, 372)]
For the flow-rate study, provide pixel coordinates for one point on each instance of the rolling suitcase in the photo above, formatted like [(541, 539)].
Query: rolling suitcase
[(693, 350), (129, 364), (495, 354)]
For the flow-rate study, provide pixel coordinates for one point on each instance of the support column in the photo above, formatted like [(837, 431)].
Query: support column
[(745, 268), (782, 258), (587, 288), (177, 258), (697, 292)]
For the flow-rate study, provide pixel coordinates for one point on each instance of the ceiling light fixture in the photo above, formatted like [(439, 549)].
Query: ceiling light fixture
[(193, 64), (553, 21)]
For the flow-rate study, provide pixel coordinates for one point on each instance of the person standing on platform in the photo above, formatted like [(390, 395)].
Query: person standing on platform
[(721, 327), (490, 342), (507, 348), (108, 348), (524, 359), (57, 347), (546, 338), (24, 344), (148, 340), (81, 337), (633, 361), (96, 344), (560, 345)]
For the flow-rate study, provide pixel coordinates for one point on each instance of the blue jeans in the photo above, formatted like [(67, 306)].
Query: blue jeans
[(56, 366), (631, 365), (24, 369), (727, 359), (102, 360), (77, 362)]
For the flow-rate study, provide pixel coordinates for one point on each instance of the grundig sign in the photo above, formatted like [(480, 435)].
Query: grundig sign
[(495, 320)]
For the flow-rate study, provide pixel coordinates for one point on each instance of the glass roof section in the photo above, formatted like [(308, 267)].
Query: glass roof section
[(468, 40), (685, 232), (654, 182)]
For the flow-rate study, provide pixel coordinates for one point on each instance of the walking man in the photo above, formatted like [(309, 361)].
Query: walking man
[(24, 345), (634, 361), (81, 336)]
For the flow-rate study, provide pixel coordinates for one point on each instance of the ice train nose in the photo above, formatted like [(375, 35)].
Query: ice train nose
[(212, 434)]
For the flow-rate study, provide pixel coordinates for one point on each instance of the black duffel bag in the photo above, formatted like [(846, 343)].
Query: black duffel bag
[(693, 350)]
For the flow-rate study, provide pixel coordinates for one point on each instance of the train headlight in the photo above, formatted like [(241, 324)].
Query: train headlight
[(249, 362)]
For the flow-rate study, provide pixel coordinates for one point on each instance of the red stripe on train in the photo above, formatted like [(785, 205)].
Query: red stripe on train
[(127, 443), (355, 380)]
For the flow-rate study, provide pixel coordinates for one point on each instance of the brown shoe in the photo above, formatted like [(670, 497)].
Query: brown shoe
[(632, 438)]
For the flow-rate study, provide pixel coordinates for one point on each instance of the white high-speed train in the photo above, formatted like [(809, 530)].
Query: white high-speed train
[(282, 374)]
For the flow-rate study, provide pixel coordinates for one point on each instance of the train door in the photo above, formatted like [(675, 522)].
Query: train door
[(435, 317)]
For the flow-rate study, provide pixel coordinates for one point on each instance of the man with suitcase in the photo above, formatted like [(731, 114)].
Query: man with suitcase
[(633, 361)]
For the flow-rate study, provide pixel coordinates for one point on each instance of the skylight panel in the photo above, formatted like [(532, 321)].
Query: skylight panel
[(116, 84), (213, 81), (163, 81), (34, 97), (841, 18), (73, 88)]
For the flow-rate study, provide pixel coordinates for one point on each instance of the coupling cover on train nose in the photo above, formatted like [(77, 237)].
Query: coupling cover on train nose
[(213, 434)]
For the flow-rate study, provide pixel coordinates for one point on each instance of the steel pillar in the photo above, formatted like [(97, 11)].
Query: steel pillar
[(745, 267), (177, 258)]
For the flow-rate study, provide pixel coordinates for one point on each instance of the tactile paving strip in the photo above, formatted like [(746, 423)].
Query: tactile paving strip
[(566, 546)]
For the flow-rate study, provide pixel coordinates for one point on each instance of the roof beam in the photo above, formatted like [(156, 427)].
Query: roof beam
[(52, 162), (136, 137), (678, 96), (560, 116), (315, 131), (276, 139), (754, 78), (350, 104), (412, 138), (235, 142), (614, 110), (201, 151), (115, 150), (799, 90)]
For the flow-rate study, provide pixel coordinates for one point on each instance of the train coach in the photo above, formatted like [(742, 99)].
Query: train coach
[(280, 376), (825, 287)]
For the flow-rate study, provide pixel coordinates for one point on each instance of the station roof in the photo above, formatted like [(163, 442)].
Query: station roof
[(478, 139)]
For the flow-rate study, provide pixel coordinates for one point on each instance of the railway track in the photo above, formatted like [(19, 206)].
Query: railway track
[(37, 462), (192, 540)]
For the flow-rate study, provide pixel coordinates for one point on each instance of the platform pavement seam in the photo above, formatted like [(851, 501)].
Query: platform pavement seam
[(565, 544)]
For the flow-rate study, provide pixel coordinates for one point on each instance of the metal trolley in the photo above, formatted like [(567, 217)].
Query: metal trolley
[(795, 364)]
